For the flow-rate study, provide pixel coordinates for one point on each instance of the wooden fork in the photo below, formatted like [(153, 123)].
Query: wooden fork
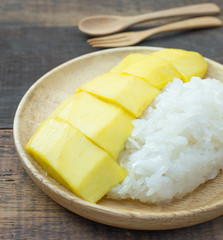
[(132, 38)]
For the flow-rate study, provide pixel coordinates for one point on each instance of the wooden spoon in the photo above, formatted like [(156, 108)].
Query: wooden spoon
[(103, 24)]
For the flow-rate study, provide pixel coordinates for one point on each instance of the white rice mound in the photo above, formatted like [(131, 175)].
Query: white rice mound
[(176, 145)]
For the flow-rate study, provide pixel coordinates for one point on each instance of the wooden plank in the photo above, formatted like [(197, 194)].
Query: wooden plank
[(26, 54), (27, 213), (29, 52), (69, 12)]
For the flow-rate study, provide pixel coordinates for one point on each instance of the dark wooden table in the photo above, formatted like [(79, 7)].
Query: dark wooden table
[(36, 36)]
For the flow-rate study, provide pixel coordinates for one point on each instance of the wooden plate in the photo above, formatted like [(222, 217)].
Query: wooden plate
[(203, 204)]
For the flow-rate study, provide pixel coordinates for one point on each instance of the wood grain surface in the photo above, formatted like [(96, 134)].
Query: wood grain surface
[(36, 36)]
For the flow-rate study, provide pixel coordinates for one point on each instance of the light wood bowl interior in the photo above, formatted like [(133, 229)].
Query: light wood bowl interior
[(48, 92)]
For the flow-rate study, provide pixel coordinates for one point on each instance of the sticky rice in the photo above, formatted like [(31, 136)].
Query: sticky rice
[(176, 145)]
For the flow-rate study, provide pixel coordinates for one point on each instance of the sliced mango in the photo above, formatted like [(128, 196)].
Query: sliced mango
[(73, 160), (155, 70), (61, 107), (130, 92), (170, 54), (127, 61), (187, 63), (106, 124), (192, 64)]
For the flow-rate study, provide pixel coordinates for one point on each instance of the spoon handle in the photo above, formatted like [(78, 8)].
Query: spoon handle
[(191, 10), (189, 24)]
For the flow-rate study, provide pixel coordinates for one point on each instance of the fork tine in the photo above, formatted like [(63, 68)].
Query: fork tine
[(105, 41), (109, 38), (108, 43), (112, 44), (123, 38), (116, 40)]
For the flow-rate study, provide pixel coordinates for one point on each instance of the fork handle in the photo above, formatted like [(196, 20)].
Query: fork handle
[(191, 10), (193, 23)]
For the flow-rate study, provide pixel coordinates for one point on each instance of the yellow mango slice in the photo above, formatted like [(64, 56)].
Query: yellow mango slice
[(127, 61), (130, 92), (187, 63), (170, 54), (155, 70), (73, 160), (104, 123), (192, 64), (61, 107)]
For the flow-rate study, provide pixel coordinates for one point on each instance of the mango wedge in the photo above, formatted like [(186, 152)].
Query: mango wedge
[(127, 61), (107, 125), (130, 92), (187, 63), (170, 54), (74, 161), (193, 64), (60, 108), (155, 70)]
